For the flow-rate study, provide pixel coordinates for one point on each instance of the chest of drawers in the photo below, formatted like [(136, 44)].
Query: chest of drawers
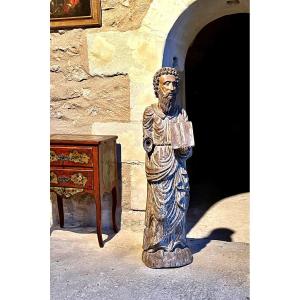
[(84, 164)]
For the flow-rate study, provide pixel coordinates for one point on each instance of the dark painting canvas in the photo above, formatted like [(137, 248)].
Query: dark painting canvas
[(70, 8)]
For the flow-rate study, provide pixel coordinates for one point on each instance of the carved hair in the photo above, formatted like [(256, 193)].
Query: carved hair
[(164, 71)]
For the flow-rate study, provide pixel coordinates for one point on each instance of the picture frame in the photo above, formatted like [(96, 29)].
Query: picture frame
[(74, 14)]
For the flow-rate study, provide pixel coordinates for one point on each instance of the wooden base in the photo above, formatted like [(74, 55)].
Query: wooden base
[(163, 259)]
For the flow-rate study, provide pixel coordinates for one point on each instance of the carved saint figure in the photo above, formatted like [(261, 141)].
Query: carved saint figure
[(165, 243)]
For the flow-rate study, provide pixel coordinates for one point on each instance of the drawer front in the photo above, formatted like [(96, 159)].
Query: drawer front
[(80, 156), (77, 178)]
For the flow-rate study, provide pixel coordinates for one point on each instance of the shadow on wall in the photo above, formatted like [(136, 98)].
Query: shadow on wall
[(120, 191)]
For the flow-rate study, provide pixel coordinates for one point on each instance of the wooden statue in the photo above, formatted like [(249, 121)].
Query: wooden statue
[(167, 140)]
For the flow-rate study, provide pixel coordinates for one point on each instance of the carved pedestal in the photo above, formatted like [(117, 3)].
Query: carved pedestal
[(162, 259)]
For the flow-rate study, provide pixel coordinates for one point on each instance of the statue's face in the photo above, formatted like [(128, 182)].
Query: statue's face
[(167, 85), (167, 91)]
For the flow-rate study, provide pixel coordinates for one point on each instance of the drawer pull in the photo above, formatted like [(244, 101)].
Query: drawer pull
[(63, 157), (66, 192), (64, 179), (53, 178), (73, 156), (76, 178)]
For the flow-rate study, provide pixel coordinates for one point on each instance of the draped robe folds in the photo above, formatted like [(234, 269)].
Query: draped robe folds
[(167, 182)]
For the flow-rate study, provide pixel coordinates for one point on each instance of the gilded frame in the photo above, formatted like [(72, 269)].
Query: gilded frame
[(63, 21)]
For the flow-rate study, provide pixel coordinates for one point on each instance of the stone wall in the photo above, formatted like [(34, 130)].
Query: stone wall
[(87, 102), (101, 78)]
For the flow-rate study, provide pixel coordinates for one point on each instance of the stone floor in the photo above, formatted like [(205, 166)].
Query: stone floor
[(220, 270), (82, 270), (227, 220)]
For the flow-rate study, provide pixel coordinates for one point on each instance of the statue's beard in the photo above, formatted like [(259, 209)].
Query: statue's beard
[(166, 102)]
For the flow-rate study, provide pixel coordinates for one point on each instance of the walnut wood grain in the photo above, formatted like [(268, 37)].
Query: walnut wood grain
[(70, 139), (97, 176)]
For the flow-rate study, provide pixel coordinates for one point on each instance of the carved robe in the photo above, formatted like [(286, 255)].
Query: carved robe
[(168, 186)]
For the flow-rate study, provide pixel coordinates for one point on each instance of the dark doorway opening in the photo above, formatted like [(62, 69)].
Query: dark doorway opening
[(217, 102)]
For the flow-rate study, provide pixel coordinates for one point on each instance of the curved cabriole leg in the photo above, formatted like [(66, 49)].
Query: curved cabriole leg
[(114, 208), (60, 210), (98, 220)]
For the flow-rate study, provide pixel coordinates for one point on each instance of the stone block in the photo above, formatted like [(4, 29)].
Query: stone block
[(95, 100), (69, 48), (60, 125), (130, 138), (133, 220), (138, 187), (123, 15), (137, 53), (125, 186)]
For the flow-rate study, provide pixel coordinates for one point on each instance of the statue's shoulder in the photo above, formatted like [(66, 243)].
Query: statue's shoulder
[(149, 109), (148, 112)]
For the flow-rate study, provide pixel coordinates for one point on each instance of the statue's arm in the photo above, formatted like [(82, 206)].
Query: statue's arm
[(185, 152), (148, 129), (148, 144)]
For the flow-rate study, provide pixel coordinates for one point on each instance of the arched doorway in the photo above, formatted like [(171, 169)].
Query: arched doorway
[(219, 166), (217, 102), (185, 29)]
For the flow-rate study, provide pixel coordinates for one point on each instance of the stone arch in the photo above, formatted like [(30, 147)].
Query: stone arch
[(188, 25)]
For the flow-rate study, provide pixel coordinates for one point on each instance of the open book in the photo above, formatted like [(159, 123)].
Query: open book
[(182, 134)]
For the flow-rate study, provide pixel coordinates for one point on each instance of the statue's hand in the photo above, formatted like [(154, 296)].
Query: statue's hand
[(184, 150), (148, 144)]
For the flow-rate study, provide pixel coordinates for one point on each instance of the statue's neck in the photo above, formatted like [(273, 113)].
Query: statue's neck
[(161, 108)]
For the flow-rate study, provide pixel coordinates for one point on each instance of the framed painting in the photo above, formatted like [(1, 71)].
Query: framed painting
[(74, 13)]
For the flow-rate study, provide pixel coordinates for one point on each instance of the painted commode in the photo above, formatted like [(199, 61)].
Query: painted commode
[(167, 140)]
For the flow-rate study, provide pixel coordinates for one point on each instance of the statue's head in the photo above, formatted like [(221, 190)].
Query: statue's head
[(165, 83)]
